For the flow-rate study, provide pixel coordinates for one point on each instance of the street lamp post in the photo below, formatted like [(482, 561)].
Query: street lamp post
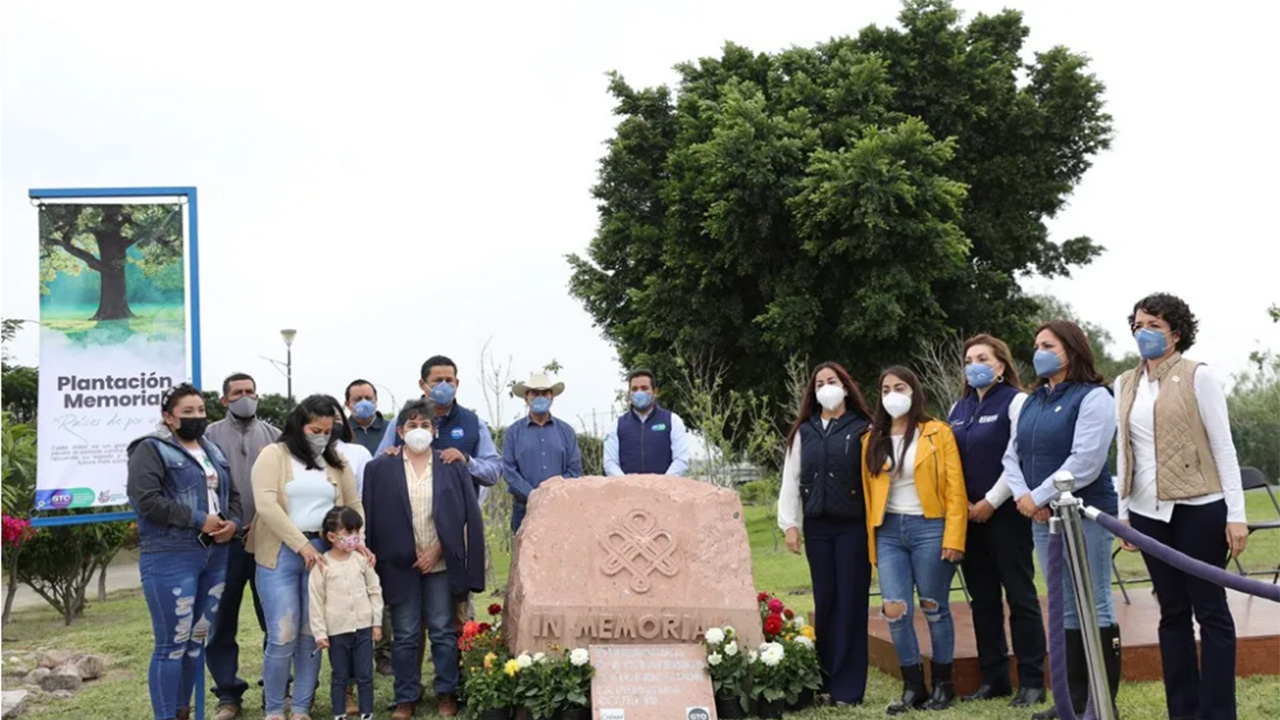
[(288, 335)]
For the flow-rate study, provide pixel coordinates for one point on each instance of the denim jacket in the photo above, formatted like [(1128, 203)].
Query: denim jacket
[(167, 488)]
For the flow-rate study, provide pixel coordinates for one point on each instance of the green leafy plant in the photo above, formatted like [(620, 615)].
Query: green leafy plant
[(574, 675), (490, 685), (727, 664)]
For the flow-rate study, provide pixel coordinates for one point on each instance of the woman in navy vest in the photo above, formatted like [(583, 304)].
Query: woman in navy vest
[(188, 510), (822, 492), (1066, 428), (998, 548)]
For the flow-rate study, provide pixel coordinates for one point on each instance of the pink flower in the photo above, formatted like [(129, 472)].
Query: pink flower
[(775, 605)]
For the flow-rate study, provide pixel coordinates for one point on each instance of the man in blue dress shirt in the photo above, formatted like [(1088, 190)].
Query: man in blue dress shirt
[(538, 446)]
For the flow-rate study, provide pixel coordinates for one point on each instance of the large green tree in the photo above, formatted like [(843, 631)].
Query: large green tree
[(99, 237), (853, 201)]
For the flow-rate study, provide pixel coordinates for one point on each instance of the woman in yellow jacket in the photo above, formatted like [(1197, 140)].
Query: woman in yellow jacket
[(917, 516)]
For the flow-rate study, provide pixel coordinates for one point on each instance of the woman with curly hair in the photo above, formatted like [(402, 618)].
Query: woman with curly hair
[(1179, 482)]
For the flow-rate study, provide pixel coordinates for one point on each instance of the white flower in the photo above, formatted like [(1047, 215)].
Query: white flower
[(751, 656), (797, 622), (540, 657), (579, 657), (524, 661), (714, 636), (731, 649), (771, 654), (804, 641), (714, 659)]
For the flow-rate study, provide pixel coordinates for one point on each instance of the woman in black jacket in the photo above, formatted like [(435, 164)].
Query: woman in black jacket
[(822, 492)]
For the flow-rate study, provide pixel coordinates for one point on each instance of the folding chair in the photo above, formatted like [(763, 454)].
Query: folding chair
[(1251, 478)]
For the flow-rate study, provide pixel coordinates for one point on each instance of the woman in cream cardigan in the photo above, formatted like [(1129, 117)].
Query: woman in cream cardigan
[(296, 481)]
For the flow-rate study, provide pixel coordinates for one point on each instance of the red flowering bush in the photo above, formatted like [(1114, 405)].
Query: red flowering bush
[(16, 530)]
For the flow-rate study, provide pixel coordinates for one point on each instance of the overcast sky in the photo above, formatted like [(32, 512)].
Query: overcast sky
[(401, 179)]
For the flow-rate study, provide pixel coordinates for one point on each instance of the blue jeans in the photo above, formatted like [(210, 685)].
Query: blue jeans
[(183, 589), (434, 605), (1097, 542), (518, 510), (909, 557), (222, 654), (283, 592)]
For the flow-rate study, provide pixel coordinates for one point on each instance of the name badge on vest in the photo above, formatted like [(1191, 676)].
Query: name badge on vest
[(457, 433), (659, 427), (957, 423), (988, 419)]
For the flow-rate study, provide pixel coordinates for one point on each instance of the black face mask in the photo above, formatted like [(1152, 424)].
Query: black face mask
[(191, 428)]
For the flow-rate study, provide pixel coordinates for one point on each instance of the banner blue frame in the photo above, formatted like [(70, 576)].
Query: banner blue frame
[(193, 282)]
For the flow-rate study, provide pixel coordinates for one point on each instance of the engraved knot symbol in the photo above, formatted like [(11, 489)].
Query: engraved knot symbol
[(640, 547)]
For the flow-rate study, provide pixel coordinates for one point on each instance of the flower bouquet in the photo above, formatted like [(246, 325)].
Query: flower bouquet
[(803, 670), (727, 666), (769, 679), (489, 687), (573, 684)]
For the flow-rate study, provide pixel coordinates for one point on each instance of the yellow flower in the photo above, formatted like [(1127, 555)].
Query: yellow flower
[(511, 668), (807, 631), (789, 637), (488, 661)]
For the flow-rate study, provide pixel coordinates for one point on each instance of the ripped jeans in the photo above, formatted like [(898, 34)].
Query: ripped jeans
[(909, 558), (283, 590), (183, 589)]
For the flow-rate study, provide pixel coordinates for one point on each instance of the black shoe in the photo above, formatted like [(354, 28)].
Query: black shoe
[(1028, 697), (1077, 678), (987, 691), (1111, 656), (944, 693), (914, 692)]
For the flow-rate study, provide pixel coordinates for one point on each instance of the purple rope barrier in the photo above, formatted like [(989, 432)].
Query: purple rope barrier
[(1057, 632), (1189, 565)]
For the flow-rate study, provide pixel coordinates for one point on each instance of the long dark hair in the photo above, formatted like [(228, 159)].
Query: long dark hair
[(853, 400), (340, 418), (294, 437), (1081, 368), (1002, 353), (880, 442)]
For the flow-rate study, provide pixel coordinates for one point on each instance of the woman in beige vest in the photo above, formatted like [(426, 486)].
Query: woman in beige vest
[(1179, 483)]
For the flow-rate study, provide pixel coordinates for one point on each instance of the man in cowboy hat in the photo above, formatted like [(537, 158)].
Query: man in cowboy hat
[(538, 446)]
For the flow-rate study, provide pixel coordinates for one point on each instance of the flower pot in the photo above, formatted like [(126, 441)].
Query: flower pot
[(496, 714), (523, 713), (575, 713), (805, 700), (729, 708), (770, 709)]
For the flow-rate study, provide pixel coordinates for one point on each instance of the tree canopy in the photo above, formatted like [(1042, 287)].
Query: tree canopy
[(851, 201)]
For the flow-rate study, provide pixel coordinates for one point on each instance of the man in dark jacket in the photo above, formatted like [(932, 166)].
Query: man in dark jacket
[(423, 523)]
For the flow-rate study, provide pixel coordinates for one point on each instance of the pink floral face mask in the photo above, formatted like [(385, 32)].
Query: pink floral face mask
[(348, 543)]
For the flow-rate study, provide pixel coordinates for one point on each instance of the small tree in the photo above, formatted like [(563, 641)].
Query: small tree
[(59, 562), (18, 482)]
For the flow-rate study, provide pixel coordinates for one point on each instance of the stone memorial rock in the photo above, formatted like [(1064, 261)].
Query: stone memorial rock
[(642, 559)]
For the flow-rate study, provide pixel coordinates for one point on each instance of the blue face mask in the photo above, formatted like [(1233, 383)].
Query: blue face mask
[(540, 405), (364, 410), (442, 393), (1047, 363), (641, 400), (979, 376), (1152, 344)]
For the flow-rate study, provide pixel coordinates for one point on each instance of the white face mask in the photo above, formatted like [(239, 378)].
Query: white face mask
[(896, 404), (830, 396), (418, 439)]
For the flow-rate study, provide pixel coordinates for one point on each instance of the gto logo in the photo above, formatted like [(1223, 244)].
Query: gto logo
[(60, 499), (698, 713)]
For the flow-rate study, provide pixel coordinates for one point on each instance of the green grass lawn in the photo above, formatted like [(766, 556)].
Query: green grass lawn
[(121, 630)]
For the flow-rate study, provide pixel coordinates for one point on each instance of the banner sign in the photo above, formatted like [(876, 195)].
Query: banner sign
[(113, 338)]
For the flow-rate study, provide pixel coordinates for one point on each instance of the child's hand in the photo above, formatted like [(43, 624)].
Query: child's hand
[(377, 633), (322, 643)]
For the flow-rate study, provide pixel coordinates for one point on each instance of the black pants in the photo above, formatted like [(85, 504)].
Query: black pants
[(840, 568), (1206, 692), (351, 657), (222, 654), (998, 555)]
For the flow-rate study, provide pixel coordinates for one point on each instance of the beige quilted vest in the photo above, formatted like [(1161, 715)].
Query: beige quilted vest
[(1184, 461)]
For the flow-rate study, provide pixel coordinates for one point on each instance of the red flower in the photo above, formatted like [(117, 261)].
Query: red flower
[(773, 625), (495, 609), (762, 597), (788, 614), (775, 605), (470, 629), (485, 627)]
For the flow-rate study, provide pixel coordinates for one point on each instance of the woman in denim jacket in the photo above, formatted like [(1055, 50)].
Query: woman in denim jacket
[(188, 509)]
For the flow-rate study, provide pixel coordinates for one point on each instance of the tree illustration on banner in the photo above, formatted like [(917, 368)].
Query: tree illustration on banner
[(106, 239)]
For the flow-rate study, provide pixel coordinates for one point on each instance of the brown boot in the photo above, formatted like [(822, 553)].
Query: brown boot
[(227, 712), (184, 713), (353, 707), (403, 711), (447, 705)]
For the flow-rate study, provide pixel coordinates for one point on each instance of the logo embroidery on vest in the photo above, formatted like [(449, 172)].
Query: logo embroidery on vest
[(1058, 409), (659, 427), (457, 433), (988, 419)]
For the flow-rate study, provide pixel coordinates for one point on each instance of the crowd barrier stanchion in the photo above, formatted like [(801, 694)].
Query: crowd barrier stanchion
[(1067, 508), (1189, 565)]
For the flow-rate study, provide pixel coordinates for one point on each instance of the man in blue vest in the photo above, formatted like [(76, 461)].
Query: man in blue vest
[(649, 439)]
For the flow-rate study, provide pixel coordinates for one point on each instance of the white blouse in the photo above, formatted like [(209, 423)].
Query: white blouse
[(1143, 498), (904, 498)]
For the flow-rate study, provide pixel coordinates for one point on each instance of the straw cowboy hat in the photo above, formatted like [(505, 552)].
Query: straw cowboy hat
[(537, 381)]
